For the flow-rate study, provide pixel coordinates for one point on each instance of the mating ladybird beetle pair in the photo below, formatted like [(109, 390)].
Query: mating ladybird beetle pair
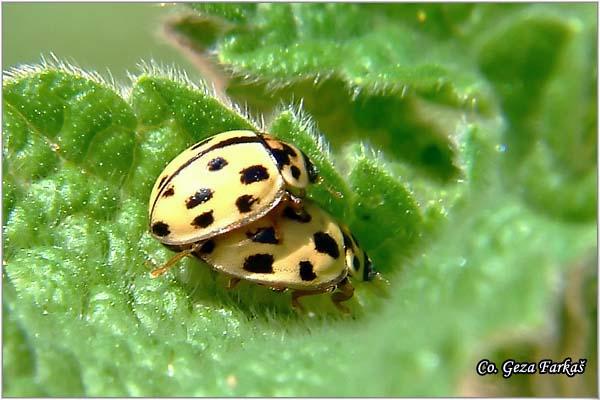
[(235, 201)]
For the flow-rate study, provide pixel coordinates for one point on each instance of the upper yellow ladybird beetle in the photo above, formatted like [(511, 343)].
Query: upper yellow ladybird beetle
[(224, 182)]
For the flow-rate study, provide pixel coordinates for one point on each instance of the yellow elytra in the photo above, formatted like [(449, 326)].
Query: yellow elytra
[(306, 251), (225, 182)]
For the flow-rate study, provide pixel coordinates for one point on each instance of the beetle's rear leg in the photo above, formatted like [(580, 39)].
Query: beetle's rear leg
[(293, 208), (295, 201), (174, 260), (296, 294), (346, 291), (232, 283)]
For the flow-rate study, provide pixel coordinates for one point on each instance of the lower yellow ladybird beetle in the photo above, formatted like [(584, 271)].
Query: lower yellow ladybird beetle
[(305, 251)]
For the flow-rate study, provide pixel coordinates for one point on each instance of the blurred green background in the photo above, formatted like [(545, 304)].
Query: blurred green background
[(64, 29), (507, 199)]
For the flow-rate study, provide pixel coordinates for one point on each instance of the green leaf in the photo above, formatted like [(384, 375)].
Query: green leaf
[(76, 240), (382, 201), (474, 215), (195, 32), (234, 12), (544, 83), (316, 39), (18, 356), (331, 191), (354, 81)]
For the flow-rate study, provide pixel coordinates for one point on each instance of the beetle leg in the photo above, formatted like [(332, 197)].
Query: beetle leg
[(295, 202), (274, 217), (346, 292), (274, 222), (296, 294), (297, 206), (174, 260), (233, 282)]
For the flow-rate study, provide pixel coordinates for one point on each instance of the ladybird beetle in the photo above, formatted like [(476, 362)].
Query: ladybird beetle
[(306, 251), (224, 182)]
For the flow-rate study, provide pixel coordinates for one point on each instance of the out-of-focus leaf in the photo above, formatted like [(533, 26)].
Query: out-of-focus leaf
[(444, 150), (543, 67)]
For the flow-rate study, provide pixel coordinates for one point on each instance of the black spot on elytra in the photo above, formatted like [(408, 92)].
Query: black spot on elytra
[(313, 174), (223, 143), (324, 243), (255, 173), (356, 263), (207, 247), (201, 196), (282, 156), (289, 149), (260, 263), (347, 241), (244, 203), (160, 229), (292, 214), (217, 163), (263, 235), (295, 172), (169, 192), (306, 271), (203, 220)]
